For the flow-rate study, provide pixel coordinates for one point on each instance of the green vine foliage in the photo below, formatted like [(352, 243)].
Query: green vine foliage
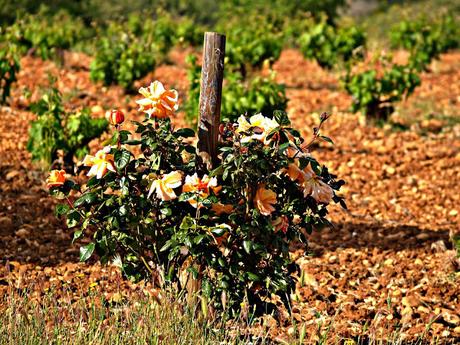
[(46, 35), (330, 46), (260, 94), (9, 68), (239, 96), (250, 44), (189, 33), (122, 57), (126, 53), (425, 40), (374, 93), (223, 234), (56, 130)]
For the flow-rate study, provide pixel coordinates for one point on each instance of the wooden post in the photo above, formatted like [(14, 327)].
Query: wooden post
[(212, 74)]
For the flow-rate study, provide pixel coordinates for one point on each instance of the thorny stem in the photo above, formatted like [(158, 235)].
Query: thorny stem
[(146, 264), (324, 117), (73, 207), (70, 202), (79, 212), (127, 246), (197, 213), (118, 127)]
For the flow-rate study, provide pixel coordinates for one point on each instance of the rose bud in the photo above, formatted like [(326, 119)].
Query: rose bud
[(222, 129), (115, 117)]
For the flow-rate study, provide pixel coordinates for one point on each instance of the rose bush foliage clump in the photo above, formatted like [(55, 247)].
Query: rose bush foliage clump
[(152, 207)]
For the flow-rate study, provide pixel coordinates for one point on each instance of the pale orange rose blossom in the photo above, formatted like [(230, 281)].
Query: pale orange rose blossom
[(264, 200), (158, 103), (100, 163)]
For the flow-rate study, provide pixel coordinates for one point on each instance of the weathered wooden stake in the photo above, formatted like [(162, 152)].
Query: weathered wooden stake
[(212, 75)]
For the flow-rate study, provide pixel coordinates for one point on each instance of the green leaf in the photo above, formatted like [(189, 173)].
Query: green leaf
[(114, 139), (56, 193), (283, 147), (219, 231), (124, 135), (281, 117), (73, 217), (193, 271), (226, 149), (93, 181), (122, 158), (225, 174), (207, 202), (198, 239), (133, 142), (61, 209), (87, 251), (184, 133), (327, 139), (253, 277), (166, 211), (76, 235), (167, 245), (187, 223), (221, 262), (217, 171), (247, 245), (206, 287), (87, 198)]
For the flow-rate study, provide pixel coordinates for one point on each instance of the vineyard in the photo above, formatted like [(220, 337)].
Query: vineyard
[(290, 180)]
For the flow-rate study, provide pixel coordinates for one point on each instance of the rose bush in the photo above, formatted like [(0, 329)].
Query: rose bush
[(153, 209)]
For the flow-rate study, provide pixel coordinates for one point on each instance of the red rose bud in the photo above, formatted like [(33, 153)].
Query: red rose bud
[(115, 117)]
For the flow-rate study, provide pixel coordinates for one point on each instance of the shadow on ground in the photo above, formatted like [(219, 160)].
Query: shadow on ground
[(375, 235)]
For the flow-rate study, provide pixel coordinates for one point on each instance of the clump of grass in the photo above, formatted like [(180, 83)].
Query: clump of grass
[(30, 316), (96, 320)]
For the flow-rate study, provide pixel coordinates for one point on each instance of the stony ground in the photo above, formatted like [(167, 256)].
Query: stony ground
[(386, 268)]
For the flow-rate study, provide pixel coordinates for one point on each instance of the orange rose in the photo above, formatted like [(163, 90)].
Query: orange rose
[(311, 183), (165, 187), (264, 200), (56, 179), (294, 172), (100, 163), (261, 125), (200, 186), (158, 102), (115, 117), (318, 189), (220, 208), (281, 223)]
